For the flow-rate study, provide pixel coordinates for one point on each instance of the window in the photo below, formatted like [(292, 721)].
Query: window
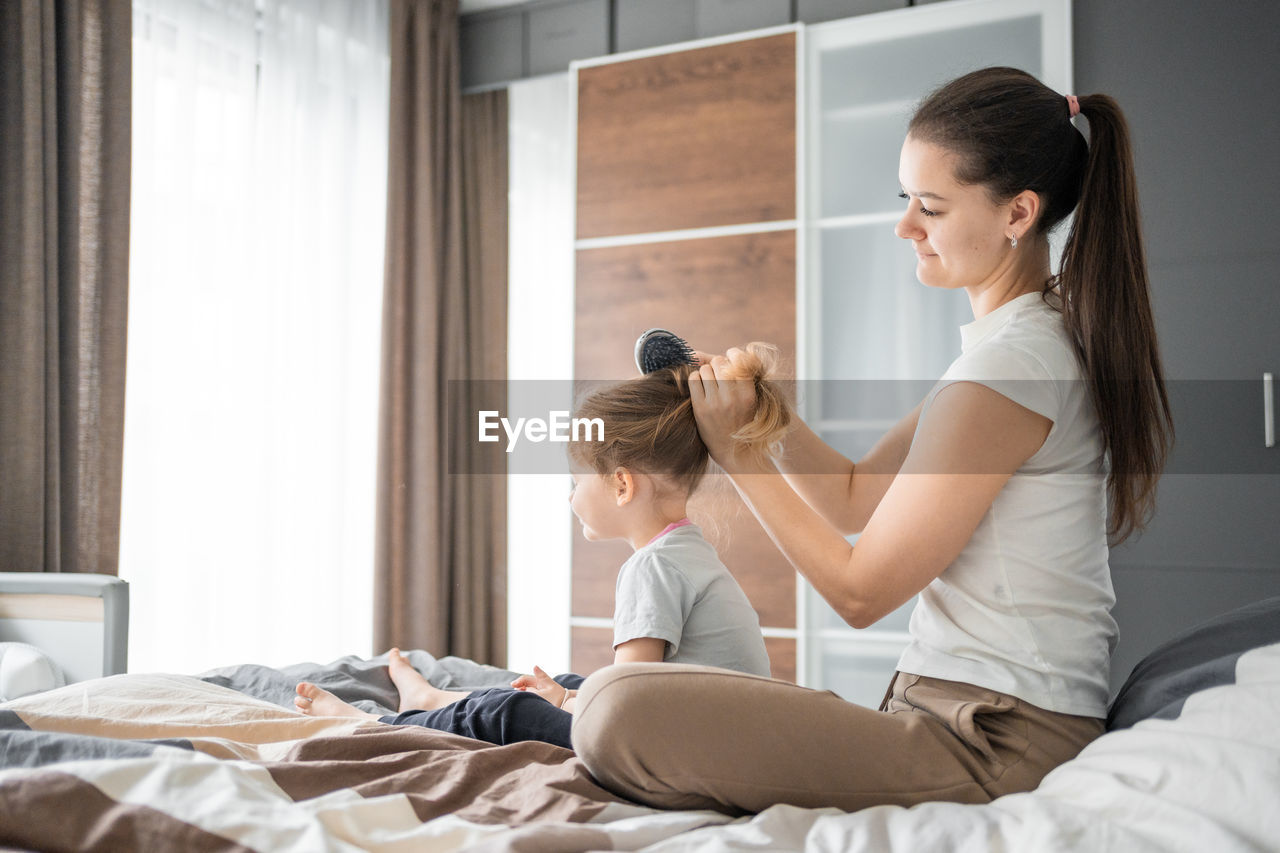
[(259, 197)]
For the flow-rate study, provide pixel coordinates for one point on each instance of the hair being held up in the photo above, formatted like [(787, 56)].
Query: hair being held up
[(649, 423), (1012, 133)]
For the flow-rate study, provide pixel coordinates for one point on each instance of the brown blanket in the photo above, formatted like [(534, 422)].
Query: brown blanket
[(171, 762)]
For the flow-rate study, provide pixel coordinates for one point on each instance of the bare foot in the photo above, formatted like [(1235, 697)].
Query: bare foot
[(318, 702), (416, 693)]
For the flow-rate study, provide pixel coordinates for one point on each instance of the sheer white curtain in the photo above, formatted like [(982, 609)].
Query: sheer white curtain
[(539, 319), (259, 196)]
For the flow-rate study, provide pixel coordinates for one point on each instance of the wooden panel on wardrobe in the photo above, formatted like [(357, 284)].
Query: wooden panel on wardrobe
[(715, 292), (595, 574), (764, 574), (696, 138), (689, 139), (782, 657), (591, 649)]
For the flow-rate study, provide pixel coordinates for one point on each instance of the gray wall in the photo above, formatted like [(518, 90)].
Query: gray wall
[(538, 37), (1197, 81)]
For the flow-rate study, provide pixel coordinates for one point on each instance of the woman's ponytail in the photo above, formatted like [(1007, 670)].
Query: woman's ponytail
[(1013, 133), (1107, 309)]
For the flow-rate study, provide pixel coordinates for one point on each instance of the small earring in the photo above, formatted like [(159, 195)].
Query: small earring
[(1013, 242)]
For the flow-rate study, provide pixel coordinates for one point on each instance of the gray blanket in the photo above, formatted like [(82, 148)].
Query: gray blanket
[(363, 683)]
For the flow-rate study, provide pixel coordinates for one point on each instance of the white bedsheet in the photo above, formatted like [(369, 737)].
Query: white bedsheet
[(1207, 781)]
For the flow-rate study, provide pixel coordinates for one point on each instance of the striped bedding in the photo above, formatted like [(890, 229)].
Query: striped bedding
[(222, 762), (187, 763)]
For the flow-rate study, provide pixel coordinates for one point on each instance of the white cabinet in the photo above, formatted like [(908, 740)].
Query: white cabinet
[(874, 337)]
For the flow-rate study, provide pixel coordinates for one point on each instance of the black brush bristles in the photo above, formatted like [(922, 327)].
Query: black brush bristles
[(657, 349)]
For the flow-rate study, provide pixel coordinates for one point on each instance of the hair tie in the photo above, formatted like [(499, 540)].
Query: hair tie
[(1073, 105)]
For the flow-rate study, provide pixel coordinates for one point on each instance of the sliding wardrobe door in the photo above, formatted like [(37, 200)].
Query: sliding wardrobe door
[(875, 339), (686, 220)]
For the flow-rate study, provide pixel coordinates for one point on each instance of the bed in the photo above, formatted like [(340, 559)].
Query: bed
[(220, 761)]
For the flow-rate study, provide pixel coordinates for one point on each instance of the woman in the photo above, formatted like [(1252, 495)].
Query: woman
[(994, 499)]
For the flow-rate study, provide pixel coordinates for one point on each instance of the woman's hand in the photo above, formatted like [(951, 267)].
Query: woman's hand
[(724, 401), (543, 685)]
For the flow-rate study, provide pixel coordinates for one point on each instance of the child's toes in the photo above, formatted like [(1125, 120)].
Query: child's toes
[(306, 696)]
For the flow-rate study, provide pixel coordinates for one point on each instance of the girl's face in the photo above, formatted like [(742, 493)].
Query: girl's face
[(958, 232), (594, 503)]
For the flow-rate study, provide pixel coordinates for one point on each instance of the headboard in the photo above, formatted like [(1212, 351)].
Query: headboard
[(81, 621)]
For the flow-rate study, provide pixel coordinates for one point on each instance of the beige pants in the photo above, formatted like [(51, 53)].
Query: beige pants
[(688, 737)]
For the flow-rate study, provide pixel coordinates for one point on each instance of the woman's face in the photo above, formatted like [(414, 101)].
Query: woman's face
[(958, 232)]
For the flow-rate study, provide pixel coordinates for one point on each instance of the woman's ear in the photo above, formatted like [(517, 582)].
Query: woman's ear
[(1024, 211), (624, 485)]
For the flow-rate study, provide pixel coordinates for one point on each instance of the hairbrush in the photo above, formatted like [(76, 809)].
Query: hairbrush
[(658, 349)]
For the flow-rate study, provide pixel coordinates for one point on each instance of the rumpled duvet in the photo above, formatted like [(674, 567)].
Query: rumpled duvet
[(109, 763), (222, 762)]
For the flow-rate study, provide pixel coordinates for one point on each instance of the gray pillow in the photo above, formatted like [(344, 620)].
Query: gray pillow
[(1201, 657)]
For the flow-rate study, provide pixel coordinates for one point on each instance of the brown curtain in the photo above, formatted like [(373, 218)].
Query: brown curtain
[(440, 579), (65, 74), (480, 613)]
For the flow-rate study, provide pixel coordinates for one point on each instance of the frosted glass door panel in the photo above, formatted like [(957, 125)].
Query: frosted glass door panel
[(860, 667), (910, 66), (866, 405), (827, 618), (853, 443), (869, 88), (877, 339), (877, 320), (859, 151)]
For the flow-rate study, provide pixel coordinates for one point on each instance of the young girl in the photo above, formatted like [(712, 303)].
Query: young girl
[(674, 601)]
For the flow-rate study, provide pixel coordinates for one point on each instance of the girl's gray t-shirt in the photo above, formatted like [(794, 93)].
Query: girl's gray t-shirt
[(676, 589)]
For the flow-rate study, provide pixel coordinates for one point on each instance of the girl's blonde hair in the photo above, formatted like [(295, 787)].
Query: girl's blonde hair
[(649, 424)]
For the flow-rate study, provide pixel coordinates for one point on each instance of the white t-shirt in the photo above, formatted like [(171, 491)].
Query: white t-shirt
[(1025, 609), (676, 589)]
